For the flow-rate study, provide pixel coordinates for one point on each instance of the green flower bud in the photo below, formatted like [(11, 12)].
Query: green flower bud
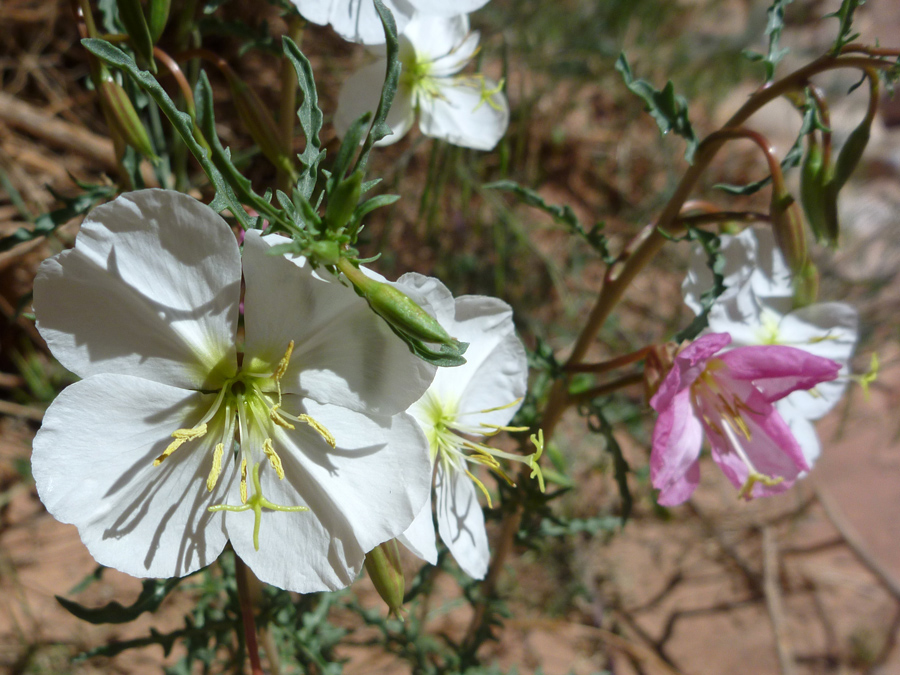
[(343, 200), (787, 225), (159, 17), (125, 117), (806, 285), (851, 153), (383, 567), (259, 122), (812, 185), (396, 307), (131, 14), (831, 224)]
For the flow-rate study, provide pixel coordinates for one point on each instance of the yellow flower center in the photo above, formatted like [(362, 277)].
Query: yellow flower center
[(243, 415), (451, 441)]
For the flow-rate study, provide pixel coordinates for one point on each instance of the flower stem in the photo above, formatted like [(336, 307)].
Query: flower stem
[(242, 573)]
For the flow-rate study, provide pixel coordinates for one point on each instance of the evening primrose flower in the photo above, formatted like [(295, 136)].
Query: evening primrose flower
[(466, 110), (729, 396), (357, 20), (756, 309), (286, 438), (462, 408)]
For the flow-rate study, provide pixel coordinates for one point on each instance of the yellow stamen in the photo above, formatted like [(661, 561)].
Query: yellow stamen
[(216, 467), (315, 424), (274, 459), (277, 417), (481, 487), (755, 478), (243, 481), (285, 361), (181, 437)]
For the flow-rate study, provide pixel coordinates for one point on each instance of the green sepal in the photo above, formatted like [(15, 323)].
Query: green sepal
[(787, 226), (806, 285), (128, 122), (154, 591), (851, 153), (131, 14), (342, 201)]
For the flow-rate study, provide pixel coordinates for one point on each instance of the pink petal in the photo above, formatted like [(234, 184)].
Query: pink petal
[(689, 363), (771, 447), (776, 371), (674, 465)]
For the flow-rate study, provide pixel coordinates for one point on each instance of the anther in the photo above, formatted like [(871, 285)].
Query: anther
[(274, 459), (216, 467)]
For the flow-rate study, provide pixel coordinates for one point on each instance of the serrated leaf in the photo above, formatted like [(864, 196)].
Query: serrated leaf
[(563, 215), (845, 16), (668, 109), (774, 29), (380, 127), (154, 591), (621, 469), (310, 117)]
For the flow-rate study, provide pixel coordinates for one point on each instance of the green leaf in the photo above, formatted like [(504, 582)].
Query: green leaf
[(310, 117), (591, 526), (845, 31), (599, 424), (668, 109), (239, 187), (131, 14), (774, 28), (153, 593), (46, 223), (184, 125), (380, 127), (562, 215)]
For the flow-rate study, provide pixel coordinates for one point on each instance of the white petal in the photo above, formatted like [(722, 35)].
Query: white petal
[(344, 353), (461, 521), (826, 329), (420, 536), (803, 430), (354, 20), (459, 115), (93, 467), (432, 291), (435, 37), (361, 494), (444, 8), (151, 289), (361, 93)]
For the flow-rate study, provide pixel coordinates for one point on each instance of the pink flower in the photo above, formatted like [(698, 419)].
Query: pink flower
[(730, 396)]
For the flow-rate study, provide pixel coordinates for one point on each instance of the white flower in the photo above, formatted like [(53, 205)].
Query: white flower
[(357, 20), (466, 110), (297, 412), (756, 309), (462, 406)]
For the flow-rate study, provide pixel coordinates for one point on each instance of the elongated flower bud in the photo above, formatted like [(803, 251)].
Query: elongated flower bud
[(851, 153), (131, 14), (125, 117), (159, 17), (383, 567), (259, 122), (806, 285), (812, 186), (787, 224), (343, 200), (395, 307)]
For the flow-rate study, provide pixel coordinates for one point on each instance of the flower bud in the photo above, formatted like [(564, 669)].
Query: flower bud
[(131, 14), (383, 567), (787, 225), (327, 252), (124, 116), (159, 17), (657, 365), (259, 122), (343, 200), (395, 307), (806, 285), (851, 153), (812, 186)]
